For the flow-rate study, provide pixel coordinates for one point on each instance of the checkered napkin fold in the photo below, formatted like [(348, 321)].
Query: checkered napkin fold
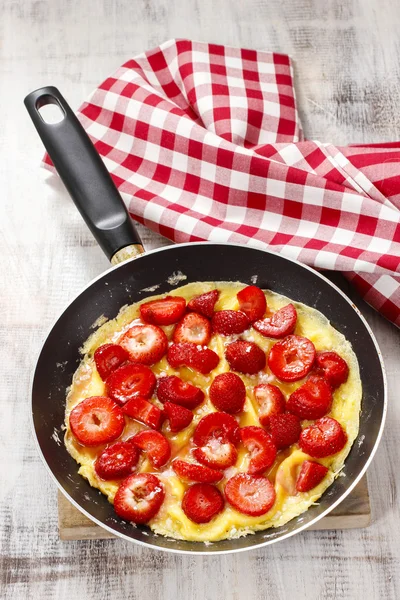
[(205, 143)]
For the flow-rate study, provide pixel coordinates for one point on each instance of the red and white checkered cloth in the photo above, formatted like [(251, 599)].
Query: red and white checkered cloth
[(205, 143)]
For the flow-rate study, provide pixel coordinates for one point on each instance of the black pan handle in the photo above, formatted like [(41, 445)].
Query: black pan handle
[(85, 176)]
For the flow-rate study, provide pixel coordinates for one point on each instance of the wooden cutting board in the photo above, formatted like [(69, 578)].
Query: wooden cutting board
[(353, 513)]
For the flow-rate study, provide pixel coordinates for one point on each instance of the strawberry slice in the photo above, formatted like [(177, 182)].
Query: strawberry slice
[(311, 474), (325, 437), (204, 304), (156, 446), (164, 311), (201, 502), (193, 472), (332, 367), (261, 447), (311, 400), (193, 329), (228, 393), (145, 344), (198, 358), (229, 322), (129, 381), (285, 429), (252, 495), (280, 324), (116, 461), (245, 357), (96, 420), (292, 358), (216, 454), (108, 358), (271, 401), (252, 302), (144, 411), (218, 425), (179, 417), (139, 497), (173, 389)]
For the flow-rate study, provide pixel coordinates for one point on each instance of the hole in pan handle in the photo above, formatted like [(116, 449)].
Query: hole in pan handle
[(85, 176)]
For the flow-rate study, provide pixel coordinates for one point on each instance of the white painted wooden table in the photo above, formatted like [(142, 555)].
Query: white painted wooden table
[(347, 68)]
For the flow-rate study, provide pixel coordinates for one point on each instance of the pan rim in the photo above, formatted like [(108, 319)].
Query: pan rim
[(207, 550)]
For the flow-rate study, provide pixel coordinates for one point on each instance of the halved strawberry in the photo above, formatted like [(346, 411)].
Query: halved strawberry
[(228, 393), (164, 311), (204, 304), (201, 502), (332, 367), (139, 497), (245, 357), (145, 344), (179, 417), (252, 302), (193, 329), (271, 401), (96, 420), (193, 472), (144, 411), (218, 425), (173, 389), (229, 322), (261, 447), (311, 400), (311, 474), (325, 437), (155, 444), (285, 429), (252, 495), (280, 324), (109, 357), (291, 358), (129, 381), (216, 454), (116, 461), (198, 358)]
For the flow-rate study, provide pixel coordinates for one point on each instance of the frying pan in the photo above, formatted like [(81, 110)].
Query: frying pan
[(92, 189)]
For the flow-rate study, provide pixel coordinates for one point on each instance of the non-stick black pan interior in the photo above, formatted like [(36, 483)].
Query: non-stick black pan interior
[(197, 262)]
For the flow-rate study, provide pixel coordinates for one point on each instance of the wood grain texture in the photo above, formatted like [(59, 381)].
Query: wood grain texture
[(347, 58)]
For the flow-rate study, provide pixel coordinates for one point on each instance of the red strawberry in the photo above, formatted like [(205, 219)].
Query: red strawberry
[(285, 429), (311, 400), (173, 389), (144, 411), (155, 445), (96, 420), (108, 358), (245, 357), (201, 502), (252, 302), (280, 324), (325, 437), (252, 495), (217, 425), (139, 497), (116, 461), (228, 393), (129, 381), (261, 447), (311, 474), (194, 472), (204, 304), (271, 401), (228, 322), (179, 417), (193, 329), (164, 311), (146, 344), (333, 368), (292, 358), (200, 359), (216, 454)]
